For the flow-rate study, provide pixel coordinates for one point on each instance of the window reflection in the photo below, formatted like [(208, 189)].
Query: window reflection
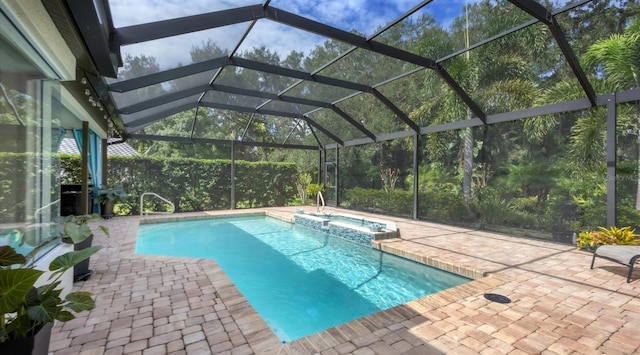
[(30, 115)]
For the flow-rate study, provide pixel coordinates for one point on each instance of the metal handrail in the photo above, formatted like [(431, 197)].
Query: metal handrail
[(318, 199), (39, 210), (173, 207)]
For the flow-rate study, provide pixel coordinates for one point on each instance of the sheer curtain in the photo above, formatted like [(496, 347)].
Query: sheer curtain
[(95, 163)]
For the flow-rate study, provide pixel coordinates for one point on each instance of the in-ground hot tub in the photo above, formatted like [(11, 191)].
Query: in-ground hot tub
[(350, 227)]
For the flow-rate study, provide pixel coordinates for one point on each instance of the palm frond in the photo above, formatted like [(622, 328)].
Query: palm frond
[(508, 95), (588, 141), (617, 58)]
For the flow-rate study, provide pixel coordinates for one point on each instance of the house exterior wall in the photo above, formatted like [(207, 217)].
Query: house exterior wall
[(34, 60)]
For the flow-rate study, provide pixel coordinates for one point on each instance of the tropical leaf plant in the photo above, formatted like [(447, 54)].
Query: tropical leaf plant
[(25, 307), (606, 236)]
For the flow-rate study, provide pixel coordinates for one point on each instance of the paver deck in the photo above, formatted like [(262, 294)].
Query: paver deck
[(165, 305)]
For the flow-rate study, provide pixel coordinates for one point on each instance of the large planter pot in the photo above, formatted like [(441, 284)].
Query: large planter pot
[(81, 270), (106, 209), (37, 344), (564, 237)]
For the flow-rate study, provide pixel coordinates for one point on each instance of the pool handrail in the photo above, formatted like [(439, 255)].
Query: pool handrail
[(320, 198), (39, 210), (142, 212)]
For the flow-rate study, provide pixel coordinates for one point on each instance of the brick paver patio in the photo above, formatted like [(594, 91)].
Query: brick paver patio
[(161, 305)]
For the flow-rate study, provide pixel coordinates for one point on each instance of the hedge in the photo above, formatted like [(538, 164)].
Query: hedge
[(191, 184), (200, 185)]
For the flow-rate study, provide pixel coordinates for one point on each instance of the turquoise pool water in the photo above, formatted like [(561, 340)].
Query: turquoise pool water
[(299, 280)]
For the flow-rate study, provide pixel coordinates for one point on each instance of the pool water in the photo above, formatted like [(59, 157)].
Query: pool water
[(299, 280)]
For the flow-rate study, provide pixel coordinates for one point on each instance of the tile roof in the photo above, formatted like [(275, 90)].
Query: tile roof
[(69, 146)]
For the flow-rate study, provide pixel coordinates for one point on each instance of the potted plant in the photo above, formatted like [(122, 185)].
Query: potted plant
[(28, 311), (107, 197), (75, 230)]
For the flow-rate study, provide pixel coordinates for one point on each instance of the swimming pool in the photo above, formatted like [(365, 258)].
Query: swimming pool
[(300, 281)]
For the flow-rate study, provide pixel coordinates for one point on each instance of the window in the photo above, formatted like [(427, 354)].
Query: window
[(29, 137)]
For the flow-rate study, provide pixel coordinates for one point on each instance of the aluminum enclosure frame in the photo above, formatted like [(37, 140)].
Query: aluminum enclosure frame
[(103, 43)]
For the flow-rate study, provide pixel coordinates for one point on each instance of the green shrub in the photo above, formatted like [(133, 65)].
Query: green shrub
[(627, 215), (304, 179), (526, 204), (196, 184), (313, 190), (443, 202), (396, 202), (494, 209), (361, 199), (560, 213)]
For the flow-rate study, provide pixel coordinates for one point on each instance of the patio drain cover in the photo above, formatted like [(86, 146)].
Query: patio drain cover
[(494, 297)]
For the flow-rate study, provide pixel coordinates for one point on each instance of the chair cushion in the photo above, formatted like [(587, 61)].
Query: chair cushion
[(621, 253)]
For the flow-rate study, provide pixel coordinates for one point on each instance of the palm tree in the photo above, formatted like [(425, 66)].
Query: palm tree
[(615, 63), (616, 58), (497, 74)]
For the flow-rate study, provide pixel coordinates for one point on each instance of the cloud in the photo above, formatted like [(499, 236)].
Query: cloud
[(364, 16), (280, 38), (127, 12), (172, 51)]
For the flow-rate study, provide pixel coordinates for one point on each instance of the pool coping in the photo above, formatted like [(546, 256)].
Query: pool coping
[(258, 332)]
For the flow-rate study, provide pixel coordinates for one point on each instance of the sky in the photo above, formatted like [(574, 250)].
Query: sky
[(364, 16)]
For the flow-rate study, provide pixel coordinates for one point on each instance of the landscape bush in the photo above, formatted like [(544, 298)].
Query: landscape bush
[(191, 184)]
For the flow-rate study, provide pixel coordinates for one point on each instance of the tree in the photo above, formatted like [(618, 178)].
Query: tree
[(499, 75), (617, 60), (611, 69)]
